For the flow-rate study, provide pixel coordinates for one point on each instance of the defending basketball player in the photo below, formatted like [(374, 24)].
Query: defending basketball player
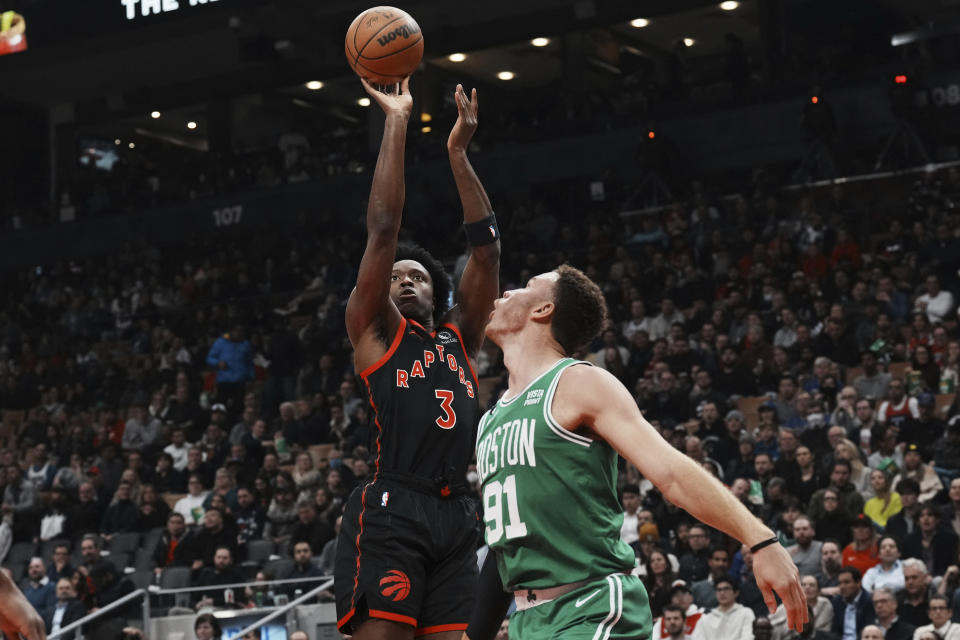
[(547, 459), (406, 560)]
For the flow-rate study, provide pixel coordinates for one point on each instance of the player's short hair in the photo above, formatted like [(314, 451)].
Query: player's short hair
[(441, 279), (580, 309)]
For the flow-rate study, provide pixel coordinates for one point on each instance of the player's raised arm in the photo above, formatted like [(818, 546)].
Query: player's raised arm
[(479, 285), (593, 397), (370, 311)]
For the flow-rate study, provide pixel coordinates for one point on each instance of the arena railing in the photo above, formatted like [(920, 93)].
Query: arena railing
[(116, 604), (285, 608), (627, 212), (158, 591)]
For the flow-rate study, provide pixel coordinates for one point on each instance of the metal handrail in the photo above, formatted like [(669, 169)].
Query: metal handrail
[(282, 610), (236, 585), (139, 593), (146, 593)]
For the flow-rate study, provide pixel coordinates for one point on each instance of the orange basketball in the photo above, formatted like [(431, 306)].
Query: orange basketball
[(384, 45)]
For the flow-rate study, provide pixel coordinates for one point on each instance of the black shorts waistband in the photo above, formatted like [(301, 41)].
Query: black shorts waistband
[(437, 487)]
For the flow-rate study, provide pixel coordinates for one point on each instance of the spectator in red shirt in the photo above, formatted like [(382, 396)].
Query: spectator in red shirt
[(862, 552), (814, 263), (845, 250)]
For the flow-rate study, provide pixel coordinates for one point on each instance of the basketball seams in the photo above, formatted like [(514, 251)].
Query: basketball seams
[(375, 34), (395, 51)]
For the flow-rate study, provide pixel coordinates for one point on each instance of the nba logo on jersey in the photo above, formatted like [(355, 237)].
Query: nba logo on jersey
[(533, 397), (385, 498)]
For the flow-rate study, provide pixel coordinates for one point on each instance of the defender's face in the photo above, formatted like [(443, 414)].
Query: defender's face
[(511, 311), (411, 289)]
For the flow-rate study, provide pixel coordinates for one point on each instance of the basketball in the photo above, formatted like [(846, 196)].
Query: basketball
[(384, 45)]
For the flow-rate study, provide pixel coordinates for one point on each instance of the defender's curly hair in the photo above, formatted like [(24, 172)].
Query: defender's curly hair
[(442, 285), (580, 309)]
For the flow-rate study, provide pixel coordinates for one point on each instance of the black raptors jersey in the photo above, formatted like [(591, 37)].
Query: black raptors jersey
[(424, 397)]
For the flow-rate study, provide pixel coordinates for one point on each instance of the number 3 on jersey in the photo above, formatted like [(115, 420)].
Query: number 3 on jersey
[(493, 495), (449, 417)]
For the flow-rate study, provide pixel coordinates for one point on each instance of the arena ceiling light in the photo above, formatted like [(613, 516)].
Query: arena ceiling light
[(364, 102), (314, 85), (729, 5), (191, 125), (132, 145), (155, 114), (540, 42), (639, 23), (689, 42), (457, 57), (506, 75)]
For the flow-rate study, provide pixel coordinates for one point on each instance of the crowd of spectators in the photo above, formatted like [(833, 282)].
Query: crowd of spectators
[(195, 411), (648, 89)]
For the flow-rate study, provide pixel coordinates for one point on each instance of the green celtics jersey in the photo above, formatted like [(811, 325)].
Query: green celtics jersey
[(549, 494)]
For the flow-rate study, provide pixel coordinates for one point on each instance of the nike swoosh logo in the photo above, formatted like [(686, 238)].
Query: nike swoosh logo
[(582, 601)]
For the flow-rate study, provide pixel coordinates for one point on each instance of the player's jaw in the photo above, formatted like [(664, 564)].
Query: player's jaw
[(414, 305), (509, 313)]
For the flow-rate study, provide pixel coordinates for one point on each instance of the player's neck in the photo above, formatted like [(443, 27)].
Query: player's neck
[(426, 323), (527, 355)]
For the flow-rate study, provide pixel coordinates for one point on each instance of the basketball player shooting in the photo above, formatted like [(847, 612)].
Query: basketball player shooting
[(547, 459), (406, 560)]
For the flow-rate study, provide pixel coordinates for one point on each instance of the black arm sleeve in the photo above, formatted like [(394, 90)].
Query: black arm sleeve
[(492, 602)]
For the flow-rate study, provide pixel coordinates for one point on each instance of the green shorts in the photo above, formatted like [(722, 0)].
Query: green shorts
[(611, 608)]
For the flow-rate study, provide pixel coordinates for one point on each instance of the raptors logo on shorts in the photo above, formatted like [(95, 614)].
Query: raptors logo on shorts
[(395, 585)]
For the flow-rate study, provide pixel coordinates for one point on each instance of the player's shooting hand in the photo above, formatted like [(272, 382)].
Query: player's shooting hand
[(775, 572), (17, 615), (466, 124), (398, 102)]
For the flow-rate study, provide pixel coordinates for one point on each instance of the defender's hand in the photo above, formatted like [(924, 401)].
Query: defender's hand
[(466, 124), (774, 570), (400, 103)]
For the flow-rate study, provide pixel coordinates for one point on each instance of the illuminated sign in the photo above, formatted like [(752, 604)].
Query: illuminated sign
[(13, 32), (143, 8)]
